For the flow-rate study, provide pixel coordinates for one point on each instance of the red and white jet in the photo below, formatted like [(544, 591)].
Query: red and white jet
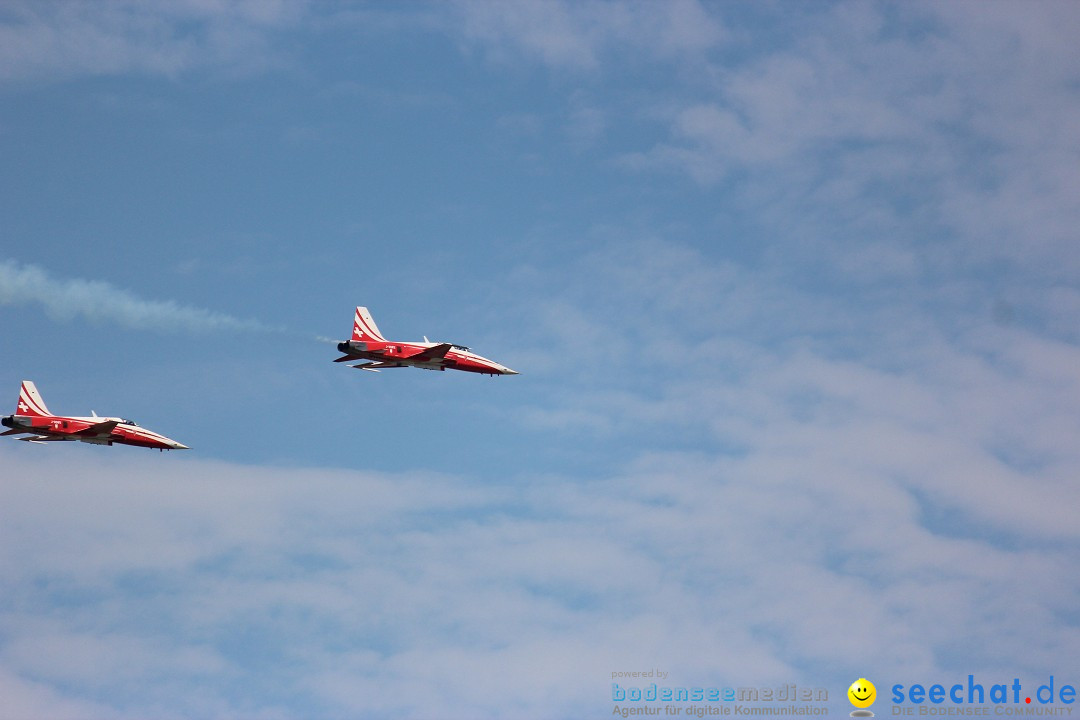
[(367, 343), (33, 418)]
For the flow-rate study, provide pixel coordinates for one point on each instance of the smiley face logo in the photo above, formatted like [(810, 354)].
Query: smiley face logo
[(862, 693)]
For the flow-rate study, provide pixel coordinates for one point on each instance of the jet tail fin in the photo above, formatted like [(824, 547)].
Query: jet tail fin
[(364, 327), (30, 402)]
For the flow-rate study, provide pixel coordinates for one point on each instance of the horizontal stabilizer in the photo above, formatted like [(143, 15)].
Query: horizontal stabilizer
[(45, 439), (15, 431), (346, 358)]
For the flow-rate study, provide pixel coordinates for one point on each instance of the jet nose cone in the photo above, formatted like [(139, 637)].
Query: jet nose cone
[(179, 446), (508, 371)]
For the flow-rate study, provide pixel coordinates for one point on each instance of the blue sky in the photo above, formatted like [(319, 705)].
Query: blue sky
[(792, 288)]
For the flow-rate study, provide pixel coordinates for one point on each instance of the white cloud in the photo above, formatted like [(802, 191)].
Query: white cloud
[(576, 36), (29, 699), (960, 118), (867, 520), (60, 39)]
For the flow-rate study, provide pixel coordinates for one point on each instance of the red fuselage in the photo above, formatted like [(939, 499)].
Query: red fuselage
[(94, 430), (429, 356)]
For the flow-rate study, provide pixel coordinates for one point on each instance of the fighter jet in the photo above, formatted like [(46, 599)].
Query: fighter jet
[(33, 418), (367, 343)]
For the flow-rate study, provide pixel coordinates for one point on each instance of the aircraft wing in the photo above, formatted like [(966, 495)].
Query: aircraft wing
[(432, 353), (98, 429)]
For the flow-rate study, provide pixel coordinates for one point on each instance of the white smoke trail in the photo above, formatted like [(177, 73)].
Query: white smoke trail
[(100, 301)]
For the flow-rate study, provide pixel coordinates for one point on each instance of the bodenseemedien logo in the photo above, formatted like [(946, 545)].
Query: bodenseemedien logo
[(862, 694), (702, 701)]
